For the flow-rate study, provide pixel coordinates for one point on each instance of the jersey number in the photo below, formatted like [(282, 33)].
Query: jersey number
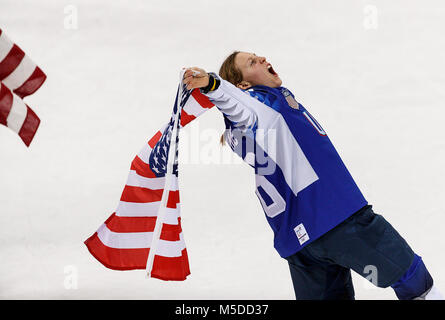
[(278, 205)]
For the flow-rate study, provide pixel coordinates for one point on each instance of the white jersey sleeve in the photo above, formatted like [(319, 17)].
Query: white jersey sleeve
[(236, 105)]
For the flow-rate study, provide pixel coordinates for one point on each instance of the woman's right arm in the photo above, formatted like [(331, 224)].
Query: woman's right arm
[(236, 105)]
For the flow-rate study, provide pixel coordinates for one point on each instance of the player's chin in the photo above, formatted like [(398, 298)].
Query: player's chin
[(276, 82)]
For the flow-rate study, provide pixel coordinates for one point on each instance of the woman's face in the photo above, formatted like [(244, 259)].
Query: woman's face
[(256, 71)]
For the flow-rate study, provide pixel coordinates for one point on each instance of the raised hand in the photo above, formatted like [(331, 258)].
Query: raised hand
[(195, 78)]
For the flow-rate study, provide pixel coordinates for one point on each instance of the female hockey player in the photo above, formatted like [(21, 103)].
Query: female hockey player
[(322, 224)]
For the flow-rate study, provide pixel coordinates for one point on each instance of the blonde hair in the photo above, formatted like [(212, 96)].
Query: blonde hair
[(230, 72)]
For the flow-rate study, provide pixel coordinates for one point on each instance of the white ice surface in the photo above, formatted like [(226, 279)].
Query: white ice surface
[(378, 93)]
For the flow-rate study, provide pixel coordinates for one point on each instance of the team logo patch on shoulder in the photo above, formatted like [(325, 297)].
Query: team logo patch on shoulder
[(301, 233), (290, 100)]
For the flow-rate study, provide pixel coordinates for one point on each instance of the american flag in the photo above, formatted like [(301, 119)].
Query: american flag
[(124, 241), (19, 77)]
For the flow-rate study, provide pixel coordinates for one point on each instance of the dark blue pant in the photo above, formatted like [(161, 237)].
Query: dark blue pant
[(367, 244)]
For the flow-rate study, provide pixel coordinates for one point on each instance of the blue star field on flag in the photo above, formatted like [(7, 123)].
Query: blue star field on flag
[(159, 155)]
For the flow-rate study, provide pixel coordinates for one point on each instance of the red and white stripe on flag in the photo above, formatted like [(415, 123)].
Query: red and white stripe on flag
[(17, 116), (123, 241), (17, 71), (19, 77)]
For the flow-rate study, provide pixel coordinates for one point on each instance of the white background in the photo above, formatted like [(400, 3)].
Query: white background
[(379, 93)]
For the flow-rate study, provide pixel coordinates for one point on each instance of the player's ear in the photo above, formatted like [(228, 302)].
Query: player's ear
[(244, 85)]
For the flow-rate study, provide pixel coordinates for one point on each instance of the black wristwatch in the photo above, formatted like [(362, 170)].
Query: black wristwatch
[(214, 83)]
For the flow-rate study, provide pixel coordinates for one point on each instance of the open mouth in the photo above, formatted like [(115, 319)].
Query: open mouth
[(271, 70)]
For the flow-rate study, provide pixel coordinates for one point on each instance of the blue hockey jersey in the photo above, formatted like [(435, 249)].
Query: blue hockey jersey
[(301, 181)]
